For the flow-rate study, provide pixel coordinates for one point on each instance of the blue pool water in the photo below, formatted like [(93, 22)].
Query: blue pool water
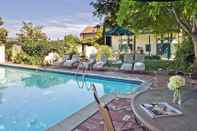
[(35, 100)]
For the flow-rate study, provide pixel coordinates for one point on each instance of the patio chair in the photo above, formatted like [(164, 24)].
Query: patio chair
[(104, 110), (139, 63), (100, 64), (127, 63), (62, 60), (89, 64), (73, 62)]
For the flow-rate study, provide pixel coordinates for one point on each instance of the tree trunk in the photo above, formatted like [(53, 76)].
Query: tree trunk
[(194, 40)]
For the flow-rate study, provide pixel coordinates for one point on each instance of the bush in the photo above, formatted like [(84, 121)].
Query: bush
[(42, 48), (153, 65), (103, 49), (154, 57), (185, 55), (24, 58)]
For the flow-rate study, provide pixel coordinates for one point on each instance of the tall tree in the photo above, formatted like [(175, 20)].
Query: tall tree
[(161, 15), (3, 35), (3, 32), (106, 10), (31, 32), (71, 42), (1, 21)]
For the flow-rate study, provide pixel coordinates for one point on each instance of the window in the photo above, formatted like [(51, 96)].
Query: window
[(148, 48)]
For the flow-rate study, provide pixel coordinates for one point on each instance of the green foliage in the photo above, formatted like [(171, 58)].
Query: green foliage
[(154, 65), (42, 48), (3, 32), (3, 35), (34, 52), (31, 32), (103, 49), (154, 57), (24, 58), (1, 21), (71, 42), (107, 9), (149, 16), (185, 54), (8, 52)]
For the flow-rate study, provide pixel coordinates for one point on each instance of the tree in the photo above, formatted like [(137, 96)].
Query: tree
[(3, 35), (71, 42), (106, 10), (1, 21), (3, 32), (31, 32), (161, 15)]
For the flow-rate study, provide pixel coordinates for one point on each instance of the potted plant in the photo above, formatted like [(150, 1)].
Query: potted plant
[(176, 83)]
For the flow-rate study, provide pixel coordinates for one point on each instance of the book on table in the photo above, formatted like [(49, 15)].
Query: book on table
[(160, 109)]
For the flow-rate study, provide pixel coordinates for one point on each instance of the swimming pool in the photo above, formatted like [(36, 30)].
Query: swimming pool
[(33, 100)]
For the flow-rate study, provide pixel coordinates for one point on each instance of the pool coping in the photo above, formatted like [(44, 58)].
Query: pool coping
[(71, 122), (73, 72)]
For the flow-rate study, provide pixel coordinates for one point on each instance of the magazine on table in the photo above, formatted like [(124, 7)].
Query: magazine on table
[(160, 109)]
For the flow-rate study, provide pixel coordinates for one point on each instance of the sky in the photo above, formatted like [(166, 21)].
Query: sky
[(58, 17)]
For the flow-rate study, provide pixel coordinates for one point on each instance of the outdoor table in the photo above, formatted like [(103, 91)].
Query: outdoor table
[(185, 122)]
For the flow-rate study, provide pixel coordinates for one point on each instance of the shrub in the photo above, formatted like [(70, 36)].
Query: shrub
[(155, 57), (24, 58), (153, 65), (42, 48), (104, 49), (185, 55)]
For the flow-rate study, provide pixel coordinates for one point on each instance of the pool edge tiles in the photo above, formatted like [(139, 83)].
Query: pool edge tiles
[(91, 75)]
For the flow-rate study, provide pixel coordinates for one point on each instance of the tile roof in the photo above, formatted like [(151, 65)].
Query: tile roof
[(89, 30)]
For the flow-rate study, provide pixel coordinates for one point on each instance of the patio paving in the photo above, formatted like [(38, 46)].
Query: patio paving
[(122, 116)]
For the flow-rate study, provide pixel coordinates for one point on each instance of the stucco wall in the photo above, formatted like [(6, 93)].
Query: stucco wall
[(2, 54), (143, 39), (116, 40)]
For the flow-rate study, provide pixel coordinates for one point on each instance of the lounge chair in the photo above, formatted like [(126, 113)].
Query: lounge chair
[(127, 63), (73, 62), (139, 63), (104, 110), (100, 64), (62, 60), (88, 64)]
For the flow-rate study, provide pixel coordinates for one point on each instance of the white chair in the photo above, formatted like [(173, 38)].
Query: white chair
[(89, 64), (100, 64), (127, 63), (139, 63), (70, 63), (60, 61)]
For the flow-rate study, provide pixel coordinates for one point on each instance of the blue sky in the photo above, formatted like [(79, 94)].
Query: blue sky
[(59, 17)]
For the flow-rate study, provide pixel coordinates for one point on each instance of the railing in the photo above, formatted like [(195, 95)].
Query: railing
[(82, 82)]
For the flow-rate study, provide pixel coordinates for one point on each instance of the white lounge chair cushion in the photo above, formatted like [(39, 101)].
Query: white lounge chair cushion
[(99, 64), (126, 67), (139, 66), (84, 65), (68, 63), (75, 59)]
